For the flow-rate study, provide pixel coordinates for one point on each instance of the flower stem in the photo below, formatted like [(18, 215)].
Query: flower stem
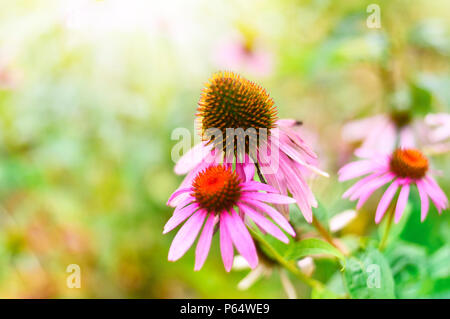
[(289, 265), (387, 229), (260, 175), (327, 236)]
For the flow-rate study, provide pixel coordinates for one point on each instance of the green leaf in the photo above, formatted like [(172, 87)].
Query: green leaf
[(368, 276), (311, 246)]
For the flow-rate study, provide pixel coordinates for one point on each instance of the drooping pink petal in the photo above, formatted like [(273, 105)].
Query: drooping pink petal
[(226, 246), (292, 134), (186, 235), (277, 184), (204, 242), (360, 184), (440, 194), (257, 186), (424, 202), (264, 223), (371, 186), (296, 156), (192, 158), (295, 180), (370, 189), (300, 193), (269, 198), (240, 171), (177, 193), (241, 238), (249, 169), (296, 184), (401, 202), (433, 193), (274, 214), (179, 216), (356, 169), (385, 201)]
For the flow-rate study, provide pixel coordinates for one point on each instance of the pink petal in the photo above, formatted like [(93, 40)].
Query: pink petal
[(360, 184), (296, 156), (371, 186), (274, 214), (440, 194), (257, 186), (401, 202), (357, 169), (226, 246), (249, 169), (385, 201), (186, 235), (424, 202), (433, 194), (241, 238), (264, 223), (269, 197), (177, 193), (204, 243), (192, 158), (179, 216), (370, 189)]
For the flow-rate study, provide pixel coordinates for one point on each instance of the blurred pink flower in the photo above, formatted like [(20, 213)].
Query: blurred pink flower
[(9, 76), (439, 133), (379, 134), (213, 195), (442, 123), (402, 168), (237, 56)]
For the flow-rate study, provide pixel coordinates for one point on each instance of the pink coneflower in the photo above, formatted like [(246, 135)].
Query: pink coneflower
[(380, 133), (401, 169), (213, 196), (230, 101), (243, 55)]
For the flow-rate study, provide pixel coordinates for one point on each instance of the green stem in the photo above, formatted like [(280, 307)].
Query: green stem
[(289, 265), (260, 175), (387, 229)]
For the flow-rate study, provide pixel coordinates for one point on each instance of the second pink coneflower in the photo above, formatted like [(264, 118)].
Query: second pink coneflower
[(401, 169)]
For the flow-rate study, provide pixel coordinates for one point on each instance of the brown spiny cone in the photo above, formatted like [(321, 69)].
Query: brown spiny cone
[(231, 101)]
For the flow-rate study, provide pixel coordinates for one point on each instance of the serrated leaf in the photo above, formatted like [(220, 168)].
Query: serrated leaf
[(311, 246), (368, 276)]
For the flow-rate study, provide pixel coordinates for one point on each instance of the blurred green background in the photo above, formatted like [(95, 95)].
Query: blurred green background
[(90, 92)]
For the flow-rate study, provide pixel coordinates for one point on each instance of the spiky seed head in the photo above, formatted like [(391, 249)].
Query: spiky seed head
[(217, 188), (231, 101), (409, 163)]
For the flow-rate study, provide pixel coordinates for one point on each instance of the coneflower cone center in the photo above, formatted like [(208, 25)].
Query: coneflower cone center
[(231, 101), (216, 188), (409, 163)]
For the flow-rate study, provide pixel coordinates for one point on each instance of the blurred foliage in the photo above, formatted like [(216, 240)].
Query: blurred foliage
[(90, 92)]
